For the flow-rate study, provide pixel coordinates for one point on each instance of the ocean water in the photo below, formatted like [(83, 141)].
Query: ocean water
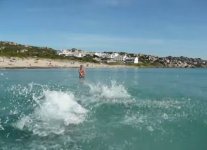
[(111, 109)]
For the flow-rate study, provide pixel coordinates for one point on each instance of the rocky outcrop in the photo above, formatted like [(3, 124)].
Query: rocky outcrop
[(174, 62)]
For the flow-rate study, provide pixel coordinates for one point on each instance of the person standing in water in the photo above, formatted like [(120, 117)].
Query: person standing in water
[(81, 72)]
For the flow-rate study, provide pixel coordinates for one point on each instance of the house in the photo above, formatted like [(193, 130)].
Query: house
[(134, 60), (120, 58), (72, 53), (78, 54), (65, 52), (113, 55), (99, 54)]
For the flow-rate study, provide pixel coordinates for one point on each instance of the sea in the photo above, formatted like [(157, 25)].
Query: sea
[(110, 109)]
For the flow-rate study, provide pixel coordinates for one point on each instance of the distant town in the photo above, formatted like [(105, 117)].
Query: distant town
[(132, 58), (11, 49), (103, 57)]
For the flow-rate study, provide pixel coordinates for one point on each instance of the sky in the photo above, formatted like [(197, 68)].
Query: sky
[(156, 27)]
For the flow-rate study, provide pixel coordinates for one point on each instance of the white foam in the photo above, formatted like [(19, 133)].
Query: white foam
[(60, 105), (1, 127), (165, 116), (112, 91), (56, 110), (22, 122), (150, 128)]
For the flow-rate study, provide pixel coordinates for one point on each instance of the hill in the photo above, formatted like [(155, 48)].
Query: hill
[(11, 49)]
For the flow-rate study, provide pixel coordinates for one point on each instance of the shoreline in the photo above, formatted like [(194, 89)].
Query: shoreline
[(43, 63), (100, 67)]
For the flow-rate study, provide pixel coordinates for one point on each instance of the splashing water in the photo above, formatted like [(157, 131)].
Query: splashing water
[(56, 110), (112, 91)]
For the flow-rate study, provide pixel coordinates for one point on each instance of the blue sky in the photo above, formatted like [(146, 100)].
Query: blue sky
[(158, 27)]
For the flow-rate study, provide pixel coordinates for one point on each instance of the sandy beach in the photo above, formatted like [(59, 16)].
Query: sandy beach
[(15, 62)]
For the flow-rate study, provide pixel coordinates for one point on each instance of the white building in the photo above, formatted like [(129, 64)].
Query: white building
[(120, 58), (134, 60), (100, 54), (66, 53), (71, 53), (78, 54), (113, 55)]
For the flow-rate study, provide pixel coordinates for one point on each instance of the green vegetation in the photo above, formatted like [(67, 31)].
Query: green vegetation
[(10, 49), (82, 59)]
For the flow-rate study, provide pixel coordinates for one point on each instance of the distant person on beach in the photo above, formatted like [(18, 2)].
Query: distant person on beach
[(81, 72)]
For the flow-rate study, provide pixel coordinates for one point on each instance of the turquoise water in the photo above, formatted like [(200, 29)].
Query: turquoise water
[(111, 109)]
